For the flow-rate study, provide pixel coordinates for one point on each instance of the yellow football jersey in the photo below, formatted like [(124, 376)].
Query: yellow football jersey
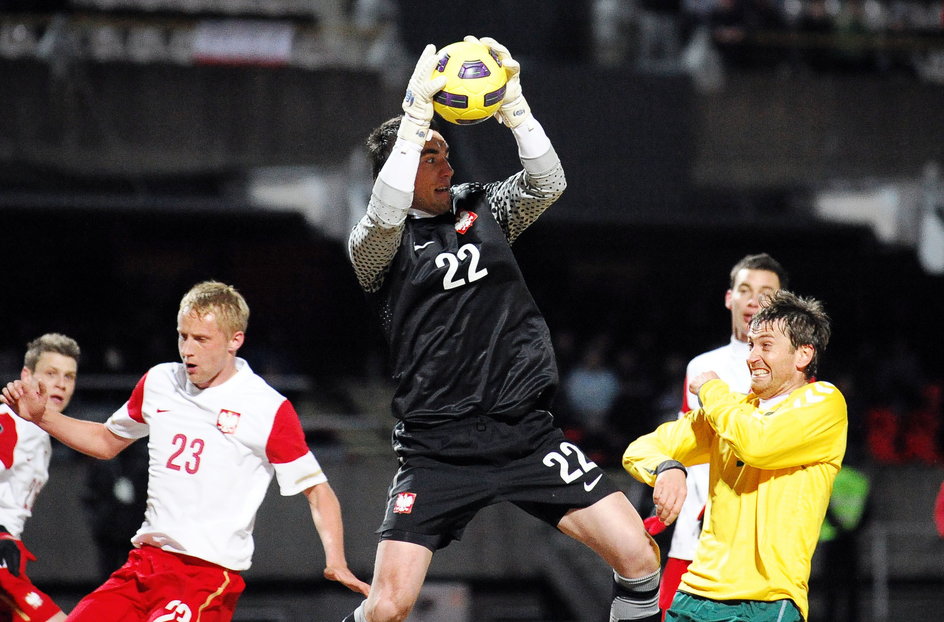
[(770, 478)]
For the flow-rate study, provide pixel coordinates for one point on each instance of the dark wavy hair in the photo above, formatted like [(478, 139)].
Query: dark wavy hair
[(381, 140), (803, 320)]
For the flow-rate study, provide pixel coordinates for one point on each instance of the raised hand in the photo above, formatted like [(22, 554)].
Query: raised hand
[(28, 400), (514, 109), (345, 577), (418, 99)]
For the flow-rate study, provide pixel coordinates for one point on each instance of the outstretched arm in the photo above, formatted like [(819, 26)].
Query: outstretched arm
[(91, 438), (376, 237), (326, 514), (519, 200)]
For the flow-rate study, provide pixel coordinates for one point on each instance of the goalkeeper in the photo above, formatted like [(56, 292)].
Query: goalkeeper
[(773, 455), (472, 358)]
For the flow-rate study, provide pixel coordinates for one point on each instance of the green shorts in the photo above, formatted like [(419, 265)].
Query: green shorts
[(689, 608)]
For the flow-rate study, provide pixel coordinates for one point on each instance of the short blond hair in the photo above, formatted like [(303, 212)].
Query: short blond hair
[(229, 306), (50, 342)]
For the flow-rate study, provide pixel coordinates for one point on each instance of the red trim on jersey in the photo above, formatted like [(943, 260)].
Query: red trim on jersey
[(8, 439), (286, 440), (685, 393), (136, 401)]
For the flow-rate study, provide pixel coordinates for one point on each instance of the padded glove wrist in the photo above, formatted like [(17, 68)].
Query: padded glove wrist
[(414, 131), (514, 113), (418, 99), (514, 109)]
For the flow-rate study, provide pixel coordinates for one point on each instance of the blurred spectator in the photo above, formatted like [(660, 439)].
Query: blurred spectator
[(853, 47), (745, 32), (565, 347), (898, 376), (922, 428), (695, 12), (638, 409), (882, 434), (591, 388), (728, 29), (838, 548), (115, 499), (659, 35), (907, 428), (815, 28)]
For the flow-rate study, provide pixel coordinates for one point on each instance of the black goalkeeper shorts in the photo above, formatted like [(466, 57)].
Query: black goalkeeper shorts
[(448, 472)]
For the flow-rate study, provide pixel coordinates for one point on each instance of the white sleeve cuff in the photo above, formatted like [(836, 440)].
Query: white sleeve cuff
[(399, 171), (298, 475), (531, 139)]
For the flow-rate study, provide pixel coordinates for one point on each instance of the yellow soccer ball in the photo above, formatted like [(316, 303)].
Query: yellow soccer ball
[(475, 83)]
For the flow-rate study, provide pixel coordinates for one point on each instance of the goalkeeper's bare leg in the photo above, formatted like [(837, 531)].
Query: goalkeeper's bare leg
[(614, 530), (399, 571)]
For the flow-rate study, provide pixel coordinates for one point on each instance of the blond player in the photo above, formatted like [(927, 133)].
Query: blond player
[(217, 433)]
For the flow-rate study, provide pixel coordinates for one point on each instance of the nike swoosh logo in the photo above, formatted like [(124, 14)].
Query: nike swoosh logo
[(419, 247), (588, 486)]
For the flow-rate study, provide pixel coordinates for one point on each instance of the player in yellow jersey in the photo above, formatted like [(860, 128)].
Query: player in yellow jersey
[(773, 456)]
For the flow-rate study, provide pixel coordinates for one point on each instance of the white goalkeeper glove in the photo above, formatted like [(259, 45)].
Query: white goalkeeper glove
[(514, 109), (418, 100)]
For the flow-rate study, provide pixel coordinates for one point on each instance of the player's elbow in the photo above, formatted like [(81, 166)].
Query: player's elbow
[(105, 452)]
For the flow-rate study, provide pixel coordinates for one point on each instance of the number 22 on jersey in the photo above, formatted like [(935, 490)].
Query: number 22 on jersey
[(452, 263)]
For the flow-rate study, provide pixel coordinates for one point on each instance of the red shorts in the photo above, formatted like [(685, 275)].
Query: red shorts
[(158, 586), (671, 577), (19, 598)]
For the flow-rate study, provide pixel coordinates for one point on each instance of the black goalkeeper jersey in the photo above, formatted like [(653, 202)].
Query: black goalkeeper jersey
[(465, 334)]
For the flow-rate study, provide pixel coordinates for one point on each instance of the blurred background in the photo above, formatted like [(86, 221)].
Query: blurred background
[(146, 145)]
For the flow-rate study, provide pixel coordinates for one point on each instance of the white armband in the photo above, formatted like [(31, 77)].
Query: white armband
[(531, 139), (399, 171)]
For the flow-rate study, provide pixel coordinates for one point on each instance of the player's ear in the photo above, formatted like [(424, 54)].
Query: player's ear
[(25, 374), (728, 295), (236, 341), (804, 356)]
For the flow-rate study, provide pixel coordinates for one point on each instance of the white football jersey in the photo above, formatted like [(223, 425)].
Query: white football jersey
[(25, 451), (730, 363), (212, 454)]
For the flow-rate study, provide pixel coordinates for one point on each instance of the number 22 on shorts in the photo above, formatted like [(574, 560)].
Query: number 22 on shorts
[(568, 472)]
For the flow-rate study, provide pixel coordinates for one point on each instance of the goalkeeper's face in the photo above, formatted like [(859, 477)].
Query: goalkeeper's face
[(433, 177)]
